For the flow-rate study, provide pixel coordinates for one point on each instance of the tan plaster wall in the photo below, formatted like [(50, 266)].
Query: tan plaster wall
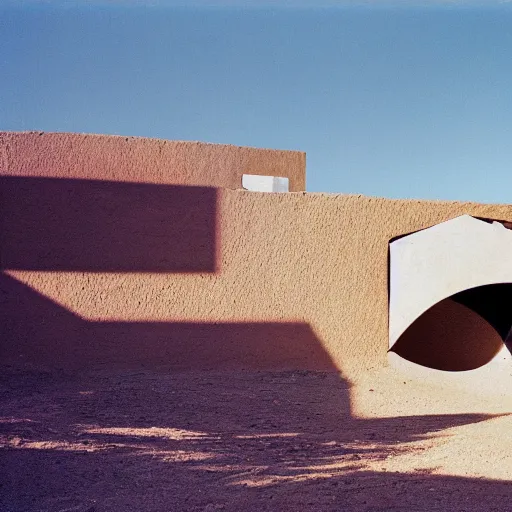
[(70, 155), (300, 280)]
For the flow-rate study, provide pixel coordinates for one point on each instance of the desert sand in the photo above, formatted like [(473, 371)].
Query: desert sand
[(244, 440)]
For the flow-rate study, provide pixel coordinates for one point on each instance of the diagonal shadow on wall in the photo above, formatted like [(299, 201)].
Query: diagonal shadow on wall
[(35, 330)]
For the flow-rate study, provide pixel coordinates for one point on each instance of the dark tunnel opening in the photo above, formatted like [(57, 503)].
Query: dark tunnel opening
[(460, 333), (492, 302)]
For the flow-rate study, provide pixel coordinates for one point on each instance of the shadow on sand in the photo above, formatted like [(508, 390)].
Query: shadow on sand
[(235, 440), (132, 431)]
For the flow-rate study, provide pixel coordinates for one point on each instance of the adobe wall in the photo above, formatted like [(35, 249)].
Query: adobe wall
[(117, 158), (273, 281)]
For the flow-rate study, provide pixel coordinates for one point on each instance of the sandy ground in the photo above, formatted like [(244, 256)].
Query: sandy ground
[(264, 441)]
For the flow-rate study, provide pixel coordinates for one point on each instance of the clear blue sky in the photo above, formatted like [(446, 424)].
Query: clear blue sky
[(386, 99)]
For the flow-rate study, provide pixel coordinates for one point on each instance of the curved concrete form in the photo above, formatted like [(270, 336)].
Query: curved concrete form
[(450, 337), (449, 294)]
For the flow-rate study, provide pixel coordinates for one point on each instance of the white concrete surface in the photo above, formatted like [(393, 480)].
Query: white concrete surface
[(257, 183), (431, 265)]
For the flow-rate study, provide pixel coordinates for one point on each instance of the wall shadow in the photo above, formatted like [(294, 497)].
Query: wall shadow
[(35, 330), (104, 226)]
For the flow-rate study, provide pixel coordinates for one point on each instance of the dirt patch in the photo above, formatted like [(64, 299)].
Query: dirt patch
[(232, 441)]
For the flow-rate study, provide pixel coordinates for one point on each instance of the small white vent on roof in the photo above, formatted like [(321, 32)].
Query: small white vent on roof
[(257, 183)]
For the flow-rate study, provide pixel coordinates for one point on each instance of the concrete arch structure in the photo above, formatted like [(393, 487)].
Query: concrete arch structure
[(449, 294)]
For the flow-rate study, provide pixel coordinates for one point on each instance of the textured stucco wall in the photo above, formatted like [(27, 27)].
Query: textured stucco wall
[(299, 280), (69, 155)]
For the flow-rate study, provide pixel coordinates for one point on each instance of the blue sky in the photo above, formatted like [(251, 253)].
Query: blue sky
[(387, 98)]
